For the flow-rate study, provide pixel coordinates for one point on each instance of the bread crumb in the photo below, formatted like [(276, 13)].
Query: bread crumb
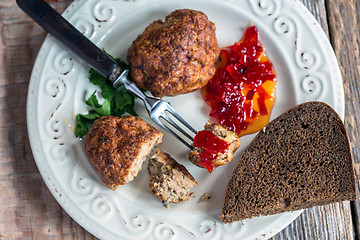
[(165, 204), (264, 129), (205, 196)]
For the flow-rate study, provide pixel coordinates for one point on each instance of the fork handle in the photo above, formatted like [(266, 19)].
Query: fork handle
[(61, 29), (122, 80)]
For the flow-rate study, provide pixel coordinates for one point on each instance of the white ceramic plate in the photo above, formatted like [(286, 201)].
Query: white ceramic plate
[(306, 69)]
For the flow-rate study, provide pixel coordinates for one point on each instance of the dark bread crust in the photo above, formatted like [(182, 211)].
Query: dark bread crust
[(300, 160), (176, 56), (114, 144)]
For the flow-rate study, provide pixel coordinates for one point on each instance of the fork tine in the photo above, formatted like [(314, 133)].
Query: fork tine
[(180, 119), (158, 108), (172, 132), (172, 123)]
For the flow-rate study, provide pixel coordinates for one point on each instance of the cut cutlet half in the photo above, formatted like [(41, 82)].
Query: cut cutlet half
[(118, 146), (169, 180), (299, 160)]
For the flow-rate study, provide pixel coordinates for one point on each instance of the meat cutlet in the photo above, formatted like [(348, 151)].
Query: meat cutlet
[(118, 146), (169, 180), (175, 57)]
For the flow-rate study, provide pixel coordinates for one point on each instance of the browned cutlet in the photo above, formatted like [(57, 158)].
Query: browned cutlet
[(117, 147), (176, 56)]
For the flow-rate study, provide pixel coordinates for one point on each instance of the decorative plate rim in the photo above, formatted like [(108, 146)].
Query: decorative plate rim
[(32, 117)]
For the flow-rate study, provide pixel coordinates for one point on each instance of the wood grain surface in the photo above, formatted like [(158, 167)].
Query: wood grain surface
[(29, 211)]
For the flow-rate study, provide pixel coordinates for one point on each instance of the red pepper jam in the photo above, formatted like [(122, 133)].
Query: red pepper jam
[(242, 92), (212, 145)]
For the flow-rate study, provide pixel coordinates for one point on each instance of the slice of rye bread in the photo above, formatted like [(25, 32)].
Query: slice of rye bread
[(299, 160)]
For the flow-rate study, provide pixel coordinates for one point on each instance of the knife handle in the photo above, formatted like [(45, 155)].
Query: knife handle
[(61, 29)]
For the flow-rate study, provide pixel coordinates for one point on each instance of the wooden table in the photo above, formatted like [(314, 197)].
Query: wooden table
[(29, 211)]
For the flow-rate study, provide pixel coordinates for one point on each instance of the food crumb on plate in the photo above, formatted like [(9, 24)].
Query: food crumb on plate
[(205, 196), (165, 205)]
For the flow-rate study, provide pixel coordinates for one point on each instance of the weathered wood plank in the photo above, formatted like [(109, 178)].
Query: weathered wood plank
[(344, 21), (325, 222), (318, 10), (27, 210)]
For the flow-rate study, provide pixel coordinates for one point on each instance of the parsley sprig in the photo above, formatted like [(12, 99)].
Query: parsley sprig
[(117, 102)]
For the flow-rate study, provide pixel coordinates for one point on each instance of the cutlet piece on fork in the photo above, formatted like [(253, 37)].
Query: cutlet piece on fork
[(62, 30)]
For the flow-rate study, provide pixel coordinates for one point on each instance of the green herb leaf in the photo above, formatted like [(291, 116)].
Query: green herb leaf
[(96, 78), (117, 102), (131, 111), (93, 101), (107, 92), (92, 115), (83, 124), (123, 100), (104, 109)]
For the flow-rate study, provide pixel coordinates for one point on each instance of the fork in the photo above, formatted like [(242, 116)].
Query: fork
[(52, 22)]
